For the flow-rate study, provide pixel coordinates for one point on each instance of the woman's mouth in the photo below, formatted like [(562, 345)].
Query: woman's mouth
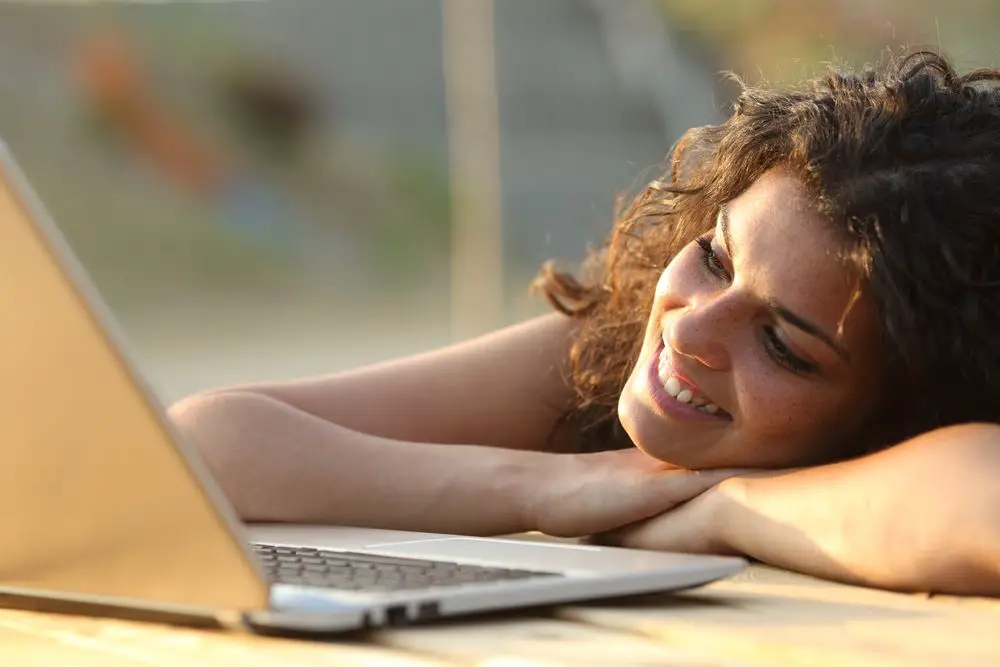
[(677, 396)]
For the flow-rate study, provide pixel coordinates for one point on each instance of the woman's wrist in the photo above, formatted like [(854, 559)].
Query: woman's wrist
[(723, 512), (535, 487), (520, 480), (769, 516)]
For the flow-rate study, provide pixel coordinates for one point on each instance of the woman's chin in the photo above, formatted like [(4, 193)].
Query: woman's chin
[(647, 432), (659, 437)]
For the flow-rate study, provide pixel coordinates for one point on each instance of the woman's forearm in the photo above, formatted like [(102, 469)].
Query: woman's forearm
[(924, 515), (276, 463)]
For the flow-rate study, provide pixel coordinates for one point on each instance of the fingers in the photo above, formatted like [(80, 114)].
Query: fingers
[(640, 534), (657, 534), (682, 485), (680, 530)]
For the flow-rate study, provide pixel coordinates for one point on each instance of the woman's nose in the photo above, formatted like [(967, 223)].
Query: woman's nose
[(699, 332)]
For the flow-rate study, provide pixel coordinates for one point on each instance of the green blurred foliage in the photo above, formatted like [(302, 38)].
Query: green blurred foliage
[(785, 41)]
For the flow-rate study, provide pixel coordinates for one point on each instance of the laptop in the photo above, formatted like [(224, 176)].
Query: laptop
[(105, 510)]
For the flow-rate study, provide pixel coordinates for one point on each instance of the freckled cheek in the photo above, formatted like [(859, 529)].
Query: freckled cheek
[(773, 406)]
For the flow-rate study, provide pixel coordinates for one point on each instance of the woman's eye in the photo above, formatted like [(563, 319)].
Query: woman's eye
[(711, 260), (784, 356), (777, 349)]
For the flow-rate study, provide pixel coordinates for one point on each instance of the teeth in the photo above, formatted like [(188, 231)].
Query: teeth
[(674, 388)]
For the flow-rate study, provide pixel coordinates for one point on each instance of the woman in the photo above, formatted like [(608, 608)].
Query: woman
[(814, 281)]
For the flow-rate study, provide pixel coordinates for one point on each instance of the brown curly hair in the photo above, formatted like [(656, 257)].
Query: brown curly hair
[(904, 159)]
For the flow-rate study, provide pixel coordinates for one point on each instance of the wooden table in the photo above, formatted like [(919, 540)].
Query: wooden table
[(762, 617)]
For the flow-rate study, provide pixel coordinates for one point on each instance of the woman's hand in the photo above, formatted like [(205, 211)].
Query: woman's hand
[(921, 516), (694, 527), (582, 494), (277, 463)]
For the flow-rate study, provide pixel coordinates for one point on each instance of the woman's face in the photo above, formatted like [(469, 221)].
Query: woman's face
[(741, 364)]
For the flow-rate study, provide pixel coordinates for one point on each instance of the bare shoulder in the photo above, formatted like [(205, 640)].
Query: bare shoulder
[(506, 388)]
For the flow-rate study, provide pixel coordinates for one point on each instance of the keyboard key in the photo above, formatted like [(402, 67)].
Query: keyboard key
[(367, 572)]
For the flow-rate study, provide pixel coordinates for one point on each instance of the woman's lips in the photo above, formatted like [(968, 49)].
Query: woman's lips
[(676, 406)]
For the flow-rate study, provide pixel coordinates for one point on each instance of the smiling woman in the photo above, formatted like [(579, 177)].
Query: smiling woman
[(858, 217), (814, 281), (747, 319)]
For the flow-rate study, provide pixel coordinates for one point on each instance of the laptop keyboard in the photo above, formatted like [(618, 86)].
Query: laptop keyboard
[(369, 573)]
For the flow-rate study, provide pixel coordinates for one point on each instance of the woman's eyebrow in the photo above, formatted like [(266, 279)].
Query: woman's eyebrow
[(775, 307), (805, 325)]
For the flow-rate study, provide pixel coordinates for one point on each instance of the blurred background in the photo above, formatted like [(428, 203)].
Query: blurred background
[(270, 189)]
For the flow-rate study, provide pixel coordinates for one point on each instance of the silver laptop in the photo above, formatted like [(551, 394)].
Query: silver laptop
[(105, 510)]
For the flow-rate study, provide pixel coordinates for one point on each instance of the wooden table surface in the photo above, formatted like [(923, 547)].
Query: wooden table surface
[(761, 617)]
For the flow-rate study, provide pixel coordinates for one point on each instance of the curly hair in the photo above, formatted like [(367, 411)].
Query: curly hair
[(904, 159)]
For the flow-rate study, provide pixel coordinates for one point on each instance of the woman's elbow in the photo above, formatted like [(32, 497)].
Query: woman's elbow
[(210, 422), (220, 426)]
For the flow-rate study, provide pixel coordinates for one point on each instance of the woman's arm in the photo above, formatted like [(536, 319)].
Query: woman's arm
[(921, 516), (503, 389), (277, 463)]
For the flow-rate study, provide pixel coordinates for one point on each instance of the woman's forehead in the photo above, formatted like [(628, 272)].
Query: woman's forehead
[(776, 212), (787, 251), (777, 192)]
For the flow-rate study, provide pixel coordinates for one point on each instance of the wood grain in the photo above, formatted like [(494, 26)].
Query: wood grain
[(776, 618), (50, 640), (548, 642), (764, 617)]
